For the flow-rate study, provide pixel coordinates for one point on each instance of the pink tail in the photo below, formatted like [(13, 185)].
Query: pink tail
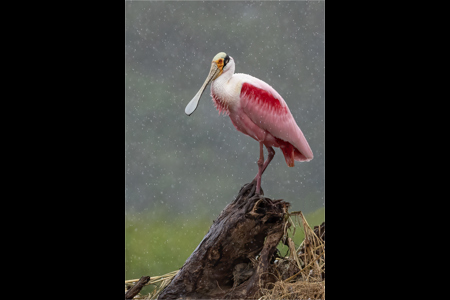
[(291, 153), (288, 152)]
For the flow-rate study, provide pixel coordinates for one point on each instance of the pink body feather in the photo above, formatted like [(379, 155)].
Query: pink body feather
[(264, 115)]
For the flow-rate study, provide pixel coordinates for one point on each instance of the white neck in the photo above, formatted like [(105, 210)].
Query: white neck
[(223, 90)]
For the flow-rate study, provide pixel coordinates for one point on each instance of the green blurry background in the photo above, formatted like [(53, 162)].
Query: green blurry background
[(180, 172)]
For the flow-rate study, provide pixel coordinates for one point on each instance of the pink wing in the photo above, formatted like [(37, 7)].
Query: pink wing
[(267, 109)]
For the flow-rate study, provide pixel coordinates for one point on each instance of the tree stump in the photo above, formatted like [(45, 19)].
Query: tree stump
[(232, 261)]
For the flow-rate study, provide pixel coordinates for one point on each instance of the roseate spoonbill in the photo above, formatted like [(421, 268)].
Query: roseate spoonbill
[(256, 110)]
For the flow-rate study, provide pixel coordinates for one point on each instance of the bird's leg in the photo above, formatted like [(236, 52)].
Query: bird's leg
[(253, 185), (268, 160), (260, 168)]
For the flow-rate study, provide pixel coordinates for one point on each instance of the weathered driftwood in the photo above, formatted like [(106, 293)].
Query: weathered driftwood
[(137, 287), (232, 261)]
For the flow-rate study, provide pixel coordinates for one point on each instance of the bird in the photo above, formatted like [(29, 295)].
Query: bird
[(255, 109)]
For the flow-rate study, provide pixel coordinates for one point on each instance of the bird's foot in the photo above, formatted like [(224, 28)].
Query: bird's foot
[(250, 187), (247, 187)]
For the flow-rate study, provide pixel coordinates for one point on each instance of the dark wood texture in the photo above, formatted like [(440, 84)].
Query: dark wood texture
[(232, 261), (137, 287)]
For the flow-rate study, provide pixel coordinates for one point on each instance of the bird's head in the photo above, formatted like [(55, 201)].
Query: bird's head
[(221, 63)]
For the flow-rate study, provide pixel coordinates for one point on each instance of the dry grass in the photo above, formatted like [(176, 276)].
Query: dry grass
[(300, 275), (296, 290), (308, 260), (160, 282)]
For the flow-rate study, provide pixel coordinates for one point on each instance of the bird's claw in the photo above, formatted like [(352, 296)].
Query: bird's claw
[(252, 188)]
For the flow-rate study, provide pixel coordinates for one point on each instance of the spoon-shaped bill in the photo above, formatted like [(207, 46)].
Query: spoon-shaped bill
[(192, 105)]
